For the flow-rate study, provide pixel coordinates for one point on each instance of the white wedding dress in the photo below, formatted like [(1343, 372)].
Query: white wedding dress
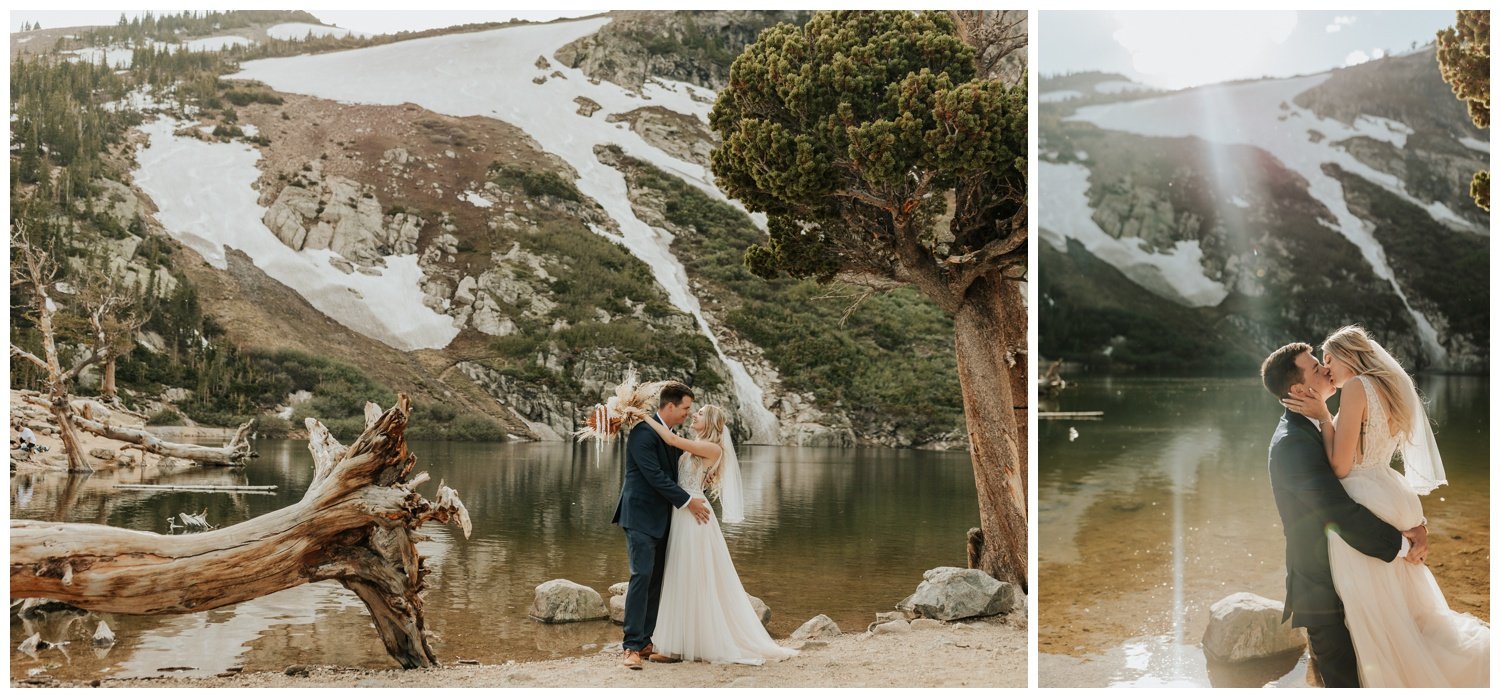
[(1404, 633), (705, 614)]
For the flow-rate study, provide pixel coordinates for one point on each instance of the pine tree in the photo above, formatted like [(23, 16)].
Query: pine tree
[(1463, 55), (880, 156)]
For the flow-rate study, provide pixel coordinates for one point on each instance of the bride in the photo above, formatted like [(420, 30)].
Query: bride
[(1403, 631), (705, 613)]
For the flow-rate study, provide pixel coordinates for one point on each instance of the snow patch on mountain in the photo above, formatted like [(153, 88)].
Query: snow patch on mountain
[(205, 197), (1065, 213), (479, 74), (1263, 114)]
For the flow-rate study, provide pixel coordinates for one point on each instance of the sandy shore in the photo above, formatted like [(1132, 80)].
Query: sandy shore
[(976, 653)]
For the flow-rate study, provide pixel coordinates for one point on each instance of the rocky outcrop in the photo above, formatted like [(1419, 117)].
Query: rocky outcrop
[(586, 106), (319, 212), (1245, 626), (562, 601), (692, 47), (680, 135), (953, 593)]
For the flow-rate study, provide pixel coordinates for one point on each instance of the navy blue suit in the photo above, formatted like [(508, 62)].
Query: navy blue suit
[(647, 498), (1312, 501)]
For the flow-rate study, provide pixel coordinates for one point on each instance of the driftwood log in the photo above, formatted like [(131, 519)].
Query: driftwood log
[(234, 453), (357, 524)]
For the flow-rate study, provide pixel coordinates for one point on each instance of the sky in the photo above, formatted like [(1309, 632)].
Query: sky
[(1180, 49), (365, 21)]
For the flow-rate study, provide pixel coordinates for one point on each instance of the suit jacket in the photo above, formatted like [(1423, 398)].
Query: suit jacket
[(650, 491), (1311, 500)]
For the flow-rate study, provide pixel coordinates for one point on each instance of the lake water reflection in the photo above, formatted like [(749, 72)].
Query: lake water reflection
[(1162, 507), (846, 532)]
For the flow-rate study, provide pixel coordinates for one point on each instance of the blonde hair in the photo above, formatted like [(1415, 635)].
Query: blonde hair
[(713, 431), (1354, 347)]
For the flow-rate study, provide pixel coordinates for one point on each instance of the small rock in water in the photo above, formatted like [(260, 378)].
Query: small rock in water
[(818, 626), (563, 601), (31, 645), (177, 668), (951, 593), (619, 589), (1245, 626), (1072, 434), (761, 609), (103, 636), (617, 610)]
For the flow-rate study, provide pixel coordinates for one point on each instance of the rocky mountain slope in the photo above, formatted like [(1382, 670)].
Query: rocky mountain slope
[(1260, 212), (468, 217)]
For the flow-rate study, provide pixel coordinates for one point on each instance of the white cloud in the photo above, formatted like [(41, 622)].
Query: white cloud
[(1377, 53), (1339, 23), (1356, 57), (1183, 49)]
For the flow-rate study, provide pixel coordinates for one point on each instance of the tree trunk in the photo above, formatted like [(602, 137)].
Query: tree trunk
[(61, 410), (110, 393), (990, 341), (233, 454), (356, 524)]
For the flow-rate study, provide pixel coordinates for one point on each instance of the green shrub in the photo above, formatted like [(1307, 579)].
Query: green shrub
[(534, 183), (164, 418)]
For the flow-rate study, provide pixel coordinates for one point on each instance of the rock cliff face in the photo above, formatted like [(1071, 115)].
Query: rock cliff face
[(339, 214), (1333, 199), (693, 47)]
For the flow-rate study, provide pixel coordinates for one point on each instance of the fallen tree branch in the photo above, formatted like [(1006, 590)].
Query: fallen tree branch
[(357, 524), (234, 453)]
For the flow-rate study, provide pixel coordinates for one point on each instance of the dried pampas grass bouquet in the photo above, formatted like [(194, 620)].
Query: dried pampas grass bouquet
[(632, 402)]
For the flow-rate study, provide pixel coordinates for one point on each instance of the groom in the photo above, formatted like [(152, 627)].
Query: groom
[(647, 499), (1311, 501)]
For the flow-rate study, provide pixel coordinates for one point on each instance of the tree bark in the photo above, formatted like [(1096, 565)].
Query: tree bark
[(233, 454), (990, 342), (110, 393), (356, 524), (61, 411)]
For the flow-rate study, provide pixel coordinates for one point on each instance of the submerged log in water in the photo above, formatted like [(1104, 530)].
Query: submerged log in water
[(357, 524)]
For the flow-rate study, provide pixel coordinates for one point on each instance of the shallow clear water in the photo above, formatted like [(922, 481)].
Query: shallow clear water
[(845, 532), (1162, 507)]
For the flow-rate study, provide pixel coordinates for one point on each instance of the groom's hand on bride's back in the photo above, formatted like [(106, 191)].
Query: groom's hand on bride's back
[(1418, 537), (698, 507)]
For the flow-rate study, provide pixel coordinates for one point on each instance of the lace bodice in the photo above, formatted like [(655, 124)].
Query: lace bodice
[(1377, 446), (690, 473)]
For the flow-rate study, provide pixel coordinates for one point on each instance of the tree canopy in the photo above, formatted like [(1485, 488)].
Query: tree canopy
[(876, 151)]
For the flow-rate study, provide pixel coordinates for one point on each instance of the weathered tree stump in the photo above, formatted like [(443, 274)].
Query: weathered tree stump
[(357, 524)]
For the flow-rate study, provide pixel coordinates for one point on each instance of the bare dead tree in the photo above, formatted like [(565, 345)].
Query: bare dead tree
[(33, 272), (999, 39), (357, 524)]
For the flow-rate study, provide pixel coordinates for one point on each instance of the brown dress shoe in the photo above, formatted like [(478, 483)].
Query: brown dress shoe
[(632, 660), (663, 658)]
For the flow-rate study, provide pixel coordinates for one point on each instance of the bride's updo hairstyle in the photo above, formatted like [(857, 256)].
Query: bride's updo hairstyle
[(1352, 346), (713, 430)]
